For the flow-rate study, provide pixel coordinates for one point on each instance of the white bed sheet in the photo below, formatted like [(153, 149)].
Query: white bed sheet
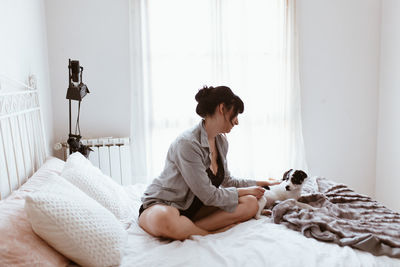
[(252, 243)]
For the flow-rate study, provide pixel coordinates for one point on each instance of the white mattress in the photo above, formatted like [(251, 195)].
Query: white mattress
[(252, 243)]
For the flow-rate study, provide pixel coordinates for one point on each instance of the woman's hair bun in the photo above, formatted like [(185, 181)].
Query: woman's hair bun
[(208, 98), (203, 93)]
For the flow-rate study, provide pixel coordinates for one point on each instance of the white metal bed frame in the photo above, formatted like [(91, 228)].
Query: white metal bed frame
[(22, 139)]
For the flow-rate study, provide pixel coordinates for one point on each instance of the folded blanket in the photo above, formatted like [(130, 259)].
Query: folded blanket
[(344, 217)]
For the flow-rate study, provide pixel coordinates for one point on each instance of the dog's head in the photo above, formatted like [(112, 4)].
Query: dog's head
[(294, 179)]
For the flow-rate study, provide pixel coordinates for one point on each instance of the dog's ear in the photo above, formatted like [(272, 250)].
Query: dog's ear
[(286, 175), (301, 174), (298, 177)]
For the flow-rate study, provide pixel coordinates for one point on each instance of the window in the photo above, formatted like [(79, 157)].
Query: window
[(246, 45)]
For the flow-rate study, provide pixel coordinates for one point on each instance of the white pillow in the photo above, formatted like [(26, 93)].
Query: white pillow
[(83, 174), (75, 224)]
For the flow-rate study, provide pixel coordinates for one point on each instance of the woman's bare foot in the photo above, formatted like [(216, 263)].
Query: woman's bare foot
[(223, 229)]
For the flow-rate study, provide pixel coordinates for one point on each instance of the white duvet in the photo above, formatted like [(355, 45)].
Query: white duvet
[(252, 243)]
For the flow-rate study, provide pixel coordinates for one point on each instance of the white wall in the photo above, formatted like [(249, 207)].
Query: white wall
[(97, 34), (339, 63), (388, 152), (23, 50)]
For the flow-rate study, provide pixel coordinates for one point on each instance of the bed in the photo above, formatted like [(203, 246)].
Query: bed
[(27, 172), (252, 243)]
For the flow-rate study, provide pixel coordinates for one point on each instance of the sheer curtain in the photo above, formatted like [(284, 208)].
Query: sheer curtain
[(249, 45)]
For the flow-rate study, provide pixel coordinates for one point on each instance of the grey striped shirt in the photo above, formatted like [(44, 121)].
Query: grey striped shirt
[(185, 176)]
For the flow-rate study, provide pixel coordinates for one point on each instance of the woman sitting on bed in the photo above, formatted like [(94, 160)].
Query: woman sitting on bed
[(195, 193)]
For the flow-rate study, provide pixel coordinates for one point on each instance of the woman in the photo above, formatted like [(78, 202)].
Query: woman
[(195, 193)]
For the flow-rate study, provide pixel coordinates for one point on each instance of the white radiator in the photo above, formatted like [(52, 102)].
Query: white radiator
[(111, 155)]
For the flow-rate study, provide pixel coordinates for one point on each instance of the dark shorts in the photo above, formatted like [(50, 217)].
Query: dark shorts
[(190, 212), (141, 209)]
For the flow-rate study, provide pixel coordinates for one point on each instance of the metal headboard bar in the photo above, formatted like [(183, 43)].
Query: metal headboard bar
[(18, 113), (15, 152), (29, 144), (22, 147), (19, 92), (5, 157), (24, 85), (21, 125)]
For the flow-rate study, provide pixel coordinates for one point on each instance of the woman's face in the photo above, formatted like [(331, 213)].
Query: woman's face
[(228, 122)]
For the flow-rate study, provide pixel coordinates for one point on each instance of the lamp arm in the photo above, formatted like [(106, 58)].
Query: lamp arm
[(81, 73), (70, 132)]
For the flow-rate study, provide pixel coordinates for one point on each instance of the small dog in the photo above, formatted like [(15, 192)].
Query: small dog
[(290, 187)]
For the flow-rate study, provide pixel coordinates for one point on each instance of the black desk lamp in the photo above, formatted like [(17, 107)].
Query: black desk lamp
[(76, 91)]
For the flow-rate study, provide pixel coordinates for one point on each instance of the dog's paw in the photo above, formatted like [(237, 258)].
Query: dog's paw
[(266, 212)]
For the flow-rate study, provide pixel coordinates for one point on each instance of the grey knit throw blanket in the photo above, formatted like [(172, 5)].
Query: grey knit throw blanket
[(342, 216)]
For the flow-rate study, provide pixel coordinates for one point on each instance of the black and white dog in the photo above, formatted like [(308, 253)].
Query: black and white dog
[(290, 187)]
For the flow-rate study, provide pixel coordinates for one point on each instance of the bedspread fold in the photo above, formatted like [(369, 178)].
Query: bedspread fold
[(344, 217)]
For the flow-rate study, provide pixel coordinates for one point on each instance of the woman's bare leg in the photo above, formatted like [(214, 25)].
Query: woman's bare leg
[(247, 208), (165, 221)]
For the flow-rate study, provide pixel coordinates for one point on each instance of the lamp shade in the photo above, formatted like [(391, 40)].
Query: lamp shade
[(77, 92)]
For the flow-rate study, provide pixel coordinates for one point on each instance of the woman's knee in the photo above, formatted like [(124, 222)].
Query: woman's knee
[(250, 206), (160, 221)]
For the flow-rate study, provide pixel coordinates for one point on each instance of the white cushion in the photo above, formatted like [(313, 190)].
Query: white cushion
[(83, 174), (75, 224)]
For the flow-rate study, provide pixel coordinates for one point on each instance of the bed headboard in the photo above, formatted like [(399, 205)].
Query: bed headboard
[(22, 141)]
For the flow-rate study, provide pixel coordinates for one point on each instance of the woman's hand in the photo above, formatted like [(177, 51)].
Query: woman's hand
[(256, 191), (269, 182)]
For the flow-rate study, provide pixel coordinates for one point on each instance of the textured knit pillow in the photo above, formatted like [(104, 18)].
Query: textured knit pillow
[(76, 225), (19, 245), (83, 174)]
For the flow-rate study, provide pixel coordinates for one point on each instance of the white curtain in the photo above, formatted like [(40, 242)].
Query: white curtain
[(248, 45)]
